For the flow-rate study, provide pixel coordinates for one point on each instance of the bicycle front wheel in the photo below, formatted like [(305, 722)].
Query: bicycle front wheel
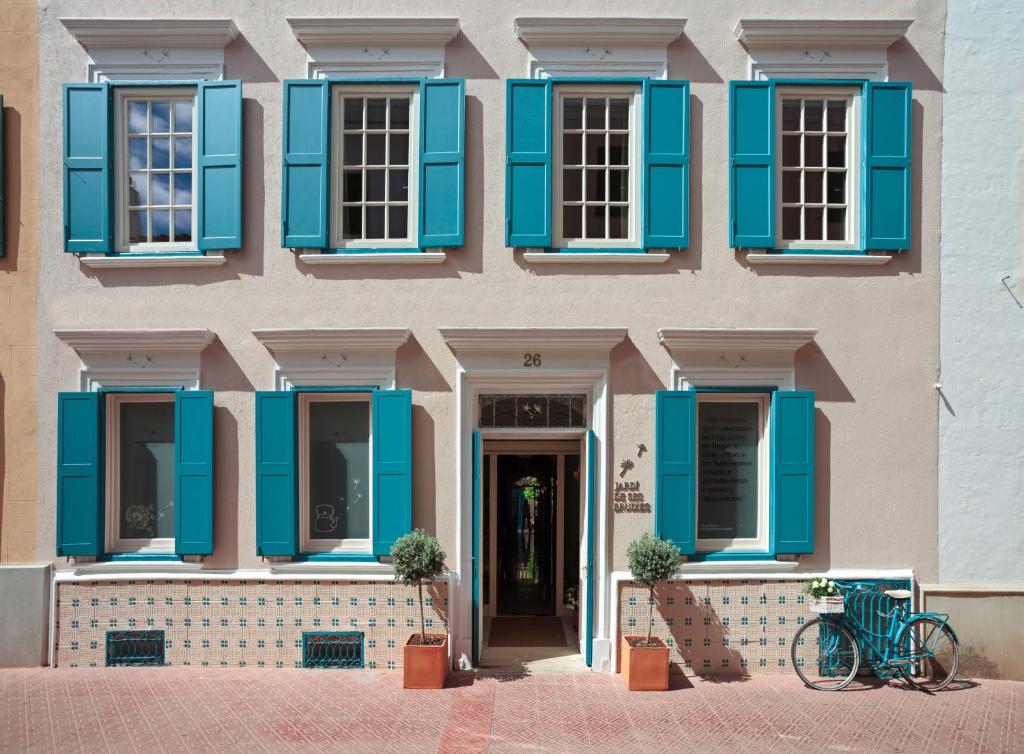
[(825, 655), (932, 651)]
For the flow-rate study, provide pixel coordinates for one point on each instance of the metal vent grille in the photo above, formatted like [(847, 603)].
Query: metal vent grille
[(135, 648), (332, 649)]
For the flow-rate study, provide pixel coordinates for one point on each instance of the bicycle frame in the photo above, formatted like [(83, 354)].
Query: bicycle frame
[(879, 647)]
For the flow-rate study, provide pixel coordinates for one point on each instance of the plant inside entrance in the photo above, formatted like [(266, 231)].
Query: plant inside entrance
[(417, 557), (645, 658)]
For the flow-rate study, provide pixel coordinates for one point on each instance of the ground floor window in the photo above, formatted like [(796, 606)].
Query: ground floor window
[(732, 472), (140, 472), (334, 472)]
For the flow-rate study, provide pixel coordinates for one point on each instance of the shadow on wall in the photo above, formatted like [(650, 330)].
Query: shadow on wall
[(686, 61), (247, 261), (11, 189), (815, 372), (221, 371), (463, 60), (820, 559), (225, 524), (424, 475), (630, 372), (415, 370), (3, 465), (241, 61)]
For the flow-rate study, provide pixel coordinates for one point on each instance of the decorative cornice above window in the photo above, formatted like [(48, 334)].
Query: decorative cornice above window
[(138, 358), (819, 48), (375, 46), (763, 339), (153, 48), (334, 356), (133, 33), (732, 357), (470, 340), (829, 33), (598, 46)]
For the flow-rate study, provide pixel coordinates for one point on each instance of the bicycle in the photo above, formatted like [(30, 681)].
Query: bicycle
[(921, 647)]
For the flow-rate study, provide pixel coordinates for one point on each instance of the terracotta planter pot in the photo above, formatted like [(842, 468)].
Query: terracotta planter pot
[(645, 668), (425, 665)]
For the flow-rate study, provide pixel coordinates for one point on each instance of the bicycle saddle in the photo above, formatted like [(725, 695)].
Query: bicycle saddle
[(899, 594)]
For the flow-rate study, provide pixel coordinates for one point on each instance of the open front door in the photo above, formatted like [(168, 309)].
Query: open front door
[(589, 575), (477, 537)]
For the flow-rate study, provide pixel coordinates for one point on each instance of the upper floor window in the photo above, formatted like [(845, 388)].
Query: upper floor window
[(820, 166), (818, 180), (155, 157), (372, 167), (601, 167), (375, 202), (596, 157)]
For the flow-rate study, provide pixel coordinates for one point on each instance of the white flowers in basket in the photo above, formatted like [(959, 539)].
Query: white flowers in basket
[(825, 596)]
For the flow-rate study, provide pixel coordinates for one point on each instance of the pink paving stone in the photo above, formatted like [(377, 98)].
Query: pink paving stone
[(218, 710)]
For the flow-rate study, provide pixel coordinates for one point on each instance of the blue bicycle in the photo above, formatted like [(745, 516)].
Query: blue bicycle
[(828, 651)]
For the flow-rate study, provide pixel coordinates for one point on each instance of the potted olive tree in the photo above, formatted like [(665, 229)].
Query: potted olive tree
[(417, 557), (645, 658)]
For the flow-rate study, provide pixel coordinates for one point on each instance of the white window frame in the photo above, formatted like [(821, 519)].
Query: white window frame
[(852, 95), (341, 546), (115, 542), (635, 96), (746, 544), (122, 96), (338, 94)]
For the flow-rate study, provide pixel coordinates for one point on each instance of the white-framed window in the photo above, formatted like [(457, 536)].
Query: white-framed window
[(140, 472), (335, 463), (375, 159), (596, 148), (732, 472), (818, 178), (155, 157)]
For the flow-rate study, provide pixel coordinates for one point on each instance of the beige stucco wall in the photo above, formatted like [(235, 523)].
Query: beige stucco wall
[(873, 364), (19, 75)]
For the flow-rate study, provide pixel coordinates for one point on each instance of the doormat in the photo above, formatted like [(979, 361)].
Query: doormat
[(538, 631)]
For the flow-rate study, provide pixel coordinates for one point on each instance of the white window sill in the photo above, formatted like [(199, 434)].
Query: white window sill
[(137, 566), (852, 260), (365, 571), (593, 257), (382, 257), (129, 261)]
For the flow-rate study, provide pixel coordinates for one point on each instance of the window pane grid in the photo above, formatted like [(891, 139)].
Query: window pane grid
[(815, 169), (375, 160), (160, 148), (596, 167)]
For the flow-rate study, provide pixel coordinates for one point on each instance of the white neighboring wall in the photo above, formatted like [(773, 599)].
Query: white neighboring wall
[(981, 424)]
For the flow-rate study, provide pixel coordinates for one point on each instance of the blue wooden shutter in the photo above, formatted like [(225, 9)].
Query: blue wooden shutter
[(3, 214), (792, 471), (887, 152), (442, 144), (87, 171), (305, 180), (193, 472), (528, 163), (675, 454), (277, 501), (752, 164), (79, 474), (392, 468), (220, 165), (666, 164)]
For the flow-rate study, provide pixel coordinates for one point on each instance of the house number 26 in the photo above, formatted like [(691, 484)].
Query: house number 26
[(531, 359)]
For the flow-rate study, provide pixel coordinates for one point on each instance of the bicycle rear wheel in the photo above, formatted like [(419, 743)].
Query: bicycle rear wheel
[(825, 655), (936, 652)]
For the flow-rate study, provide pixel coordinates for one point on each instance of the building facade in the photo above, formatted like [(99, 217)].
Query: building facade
[(536, 285), (981, 474)]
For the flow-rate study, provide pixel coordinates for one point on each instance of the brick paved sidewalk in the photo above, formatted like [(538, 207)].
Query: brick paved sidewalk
[(189, 709)]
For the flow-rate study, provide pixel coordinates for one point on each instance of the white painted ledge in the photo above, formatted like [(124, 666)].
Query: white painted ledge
[(547, 257), (403, 257), (387, 32), (817, 33), (588, 31), (129, 262), (835, 260), (132, 33)]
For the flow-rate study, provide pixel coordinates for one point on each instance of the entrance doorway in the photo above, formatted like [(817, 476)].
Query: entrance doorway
[(531, 536)]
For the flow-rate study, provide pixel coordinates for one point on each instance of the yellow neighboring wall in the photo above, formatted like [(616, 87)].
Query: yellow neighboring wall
[(19, 76)]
